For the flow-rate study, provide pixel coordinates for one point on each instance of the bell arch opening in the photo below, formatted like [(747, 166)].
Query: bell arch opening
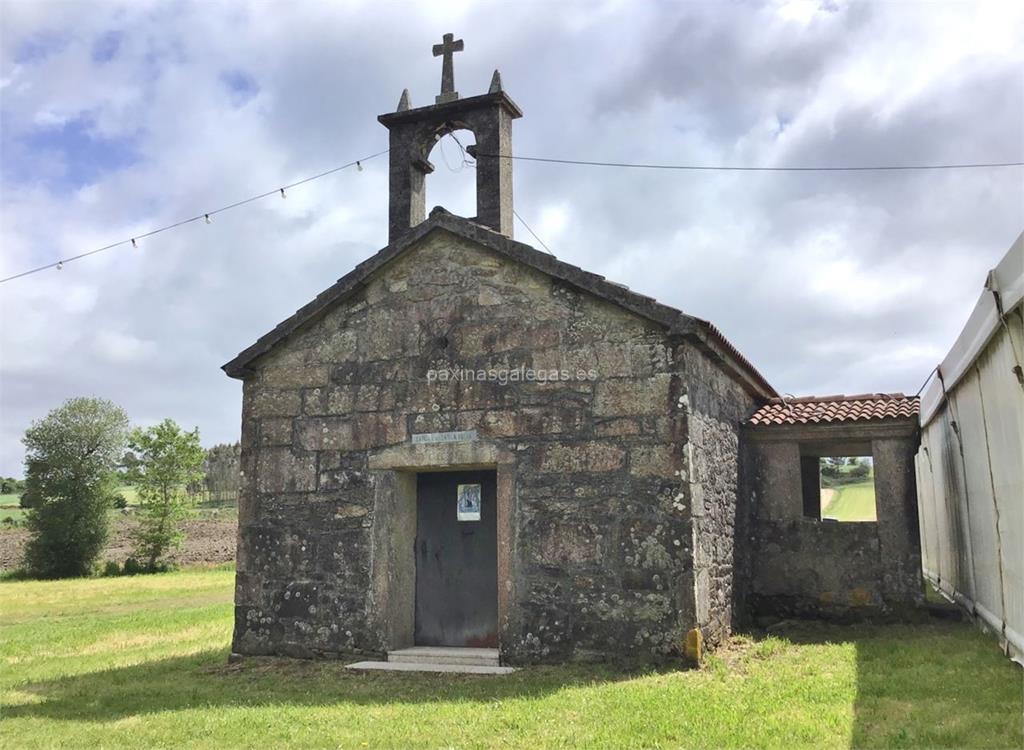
[(453, 182)]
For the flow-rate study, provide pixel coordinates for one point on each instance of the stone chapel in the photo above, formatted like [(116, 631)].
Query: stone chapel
[(465, 442)]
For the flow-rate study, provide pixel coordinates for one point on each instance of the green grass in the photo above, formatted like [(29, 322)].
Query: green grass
[(129, 493), (10, 509), (142, 662), (852, 502)]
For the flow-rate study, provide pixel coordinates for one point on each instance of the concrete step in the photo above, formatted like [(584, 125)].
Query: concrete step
[(470, 657), (410, 666)]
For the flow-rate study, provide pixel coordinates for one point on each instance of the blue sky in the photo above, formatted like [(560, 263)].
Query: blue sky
[(118, 117)]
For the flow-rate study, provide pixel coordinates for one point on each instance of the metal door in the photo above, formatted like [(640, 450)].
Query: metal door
[(456, 560)]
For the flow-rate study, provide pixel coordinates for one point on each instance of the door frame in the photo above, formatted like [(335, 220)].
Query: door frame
[(393, 559)]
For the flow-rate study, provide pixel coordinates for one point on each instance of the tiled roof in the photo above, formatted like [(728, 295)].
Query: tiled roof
[(833, 409)]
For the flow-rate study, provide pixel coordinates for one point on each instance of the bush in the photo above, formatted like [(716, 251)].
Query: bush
[(120, 502), (860, 470), (829, 470), (111, 568), (133, 567), (15, 574), (11, 486), (70, 460), (10, 522)]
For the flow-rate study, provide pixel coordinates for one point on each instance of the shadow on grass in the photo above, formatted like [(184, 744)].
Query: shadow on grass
[(205, 679), (923, 685), (936, 683)]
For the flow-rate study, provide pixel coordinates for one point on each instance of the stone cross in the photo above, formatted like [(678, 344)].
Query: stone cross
[(449, 45)]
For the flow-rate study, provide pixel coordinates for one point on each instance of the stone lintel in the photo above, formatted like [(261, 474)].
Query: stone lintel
[(439, 456)]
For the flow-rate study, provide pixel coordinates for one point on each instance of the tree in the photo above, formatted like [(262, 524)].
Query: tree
[(860, 470), (70, 457), (222, 468), (167, 461)]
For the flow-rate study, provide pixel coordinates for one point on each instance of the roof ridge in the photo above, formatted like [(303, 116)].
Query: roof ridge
[(675, 321), (840, 397)]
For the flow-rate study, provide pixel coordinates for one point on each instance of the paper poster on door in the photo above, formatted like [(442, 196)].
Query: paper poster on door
[(469, 502)]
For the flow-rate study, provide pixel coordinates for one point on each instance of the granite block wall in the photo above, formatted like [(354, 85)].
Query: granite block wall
[(606, 476)]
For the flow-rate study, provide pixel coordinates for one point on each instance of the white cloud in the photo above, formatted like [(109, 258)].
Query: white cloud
[(123, 348), (779, 262)]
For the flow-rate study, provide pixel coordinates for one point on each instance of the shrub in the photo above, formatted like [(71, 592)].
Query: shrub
[(132, 567), (860, 470), (120, 502), (15, 574), (111, 568), (70, 459), (829, 470)]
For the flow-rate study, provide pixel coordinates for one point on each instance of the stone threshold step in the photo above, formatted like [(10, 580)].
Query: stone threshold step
[(480, 657), (408, 666)]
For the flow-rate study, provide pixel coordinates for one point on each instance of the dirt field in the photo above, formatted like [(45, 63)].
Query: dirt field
[(207, 541)]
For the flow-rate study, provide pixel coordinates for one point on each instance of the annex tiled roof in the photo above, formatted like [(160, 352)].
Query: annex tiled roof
[(833, 409)]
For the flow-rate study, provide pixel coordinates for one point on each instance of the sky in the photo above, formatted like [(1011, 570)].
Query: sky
[(116, 118)]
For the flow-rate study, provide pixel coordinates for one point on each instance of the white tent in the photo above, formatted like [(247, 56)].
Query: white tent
[(970, 468)]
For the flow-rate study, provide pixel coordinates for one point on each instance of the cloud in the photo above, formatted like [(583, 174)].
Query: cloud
[(119, 348), (118, 117)]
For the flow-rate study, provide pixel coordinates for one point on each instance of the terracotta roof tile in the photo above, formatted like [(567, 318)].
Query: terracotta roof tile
[(834, 409)]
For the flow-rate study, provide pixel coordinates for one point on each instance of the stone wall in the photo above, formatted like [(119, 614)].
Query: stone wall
[(798, 566), (602, 559), (716, 406)]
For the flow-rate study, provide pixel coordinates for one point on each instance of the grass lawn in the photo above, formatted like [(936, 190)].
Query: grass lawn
[(129, 493), (141, 662), (852, 502)]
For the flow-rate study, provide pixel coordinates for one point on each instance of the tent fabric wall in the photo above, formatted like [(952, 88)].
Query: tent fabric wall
[(970, 467)]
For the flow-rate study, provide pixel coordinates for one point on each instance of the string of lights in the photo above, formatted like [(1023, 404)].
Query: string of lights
[(206, 217), (722, 168)]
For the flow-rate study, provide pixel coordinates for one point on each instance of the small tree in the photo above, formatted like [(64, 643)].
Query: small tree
[(167, 461), (70, 457)]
